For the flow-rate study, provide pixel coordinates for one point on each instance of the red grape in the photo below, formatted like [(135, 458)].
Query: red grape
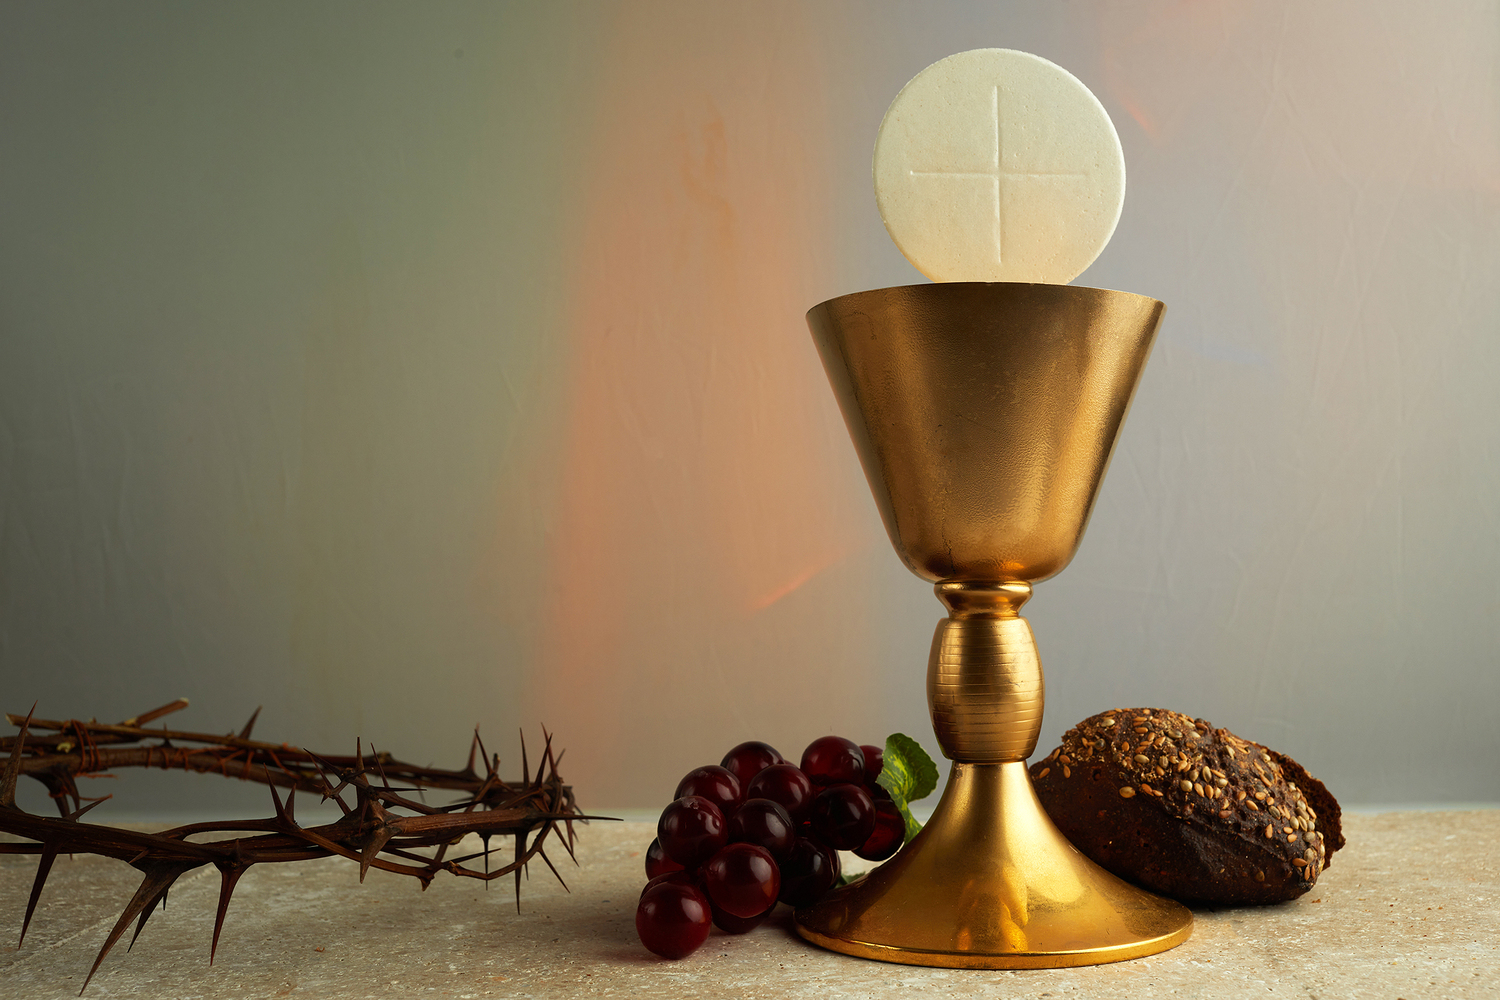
[(874, 763), (764, 823), (833, 760), (691, 830), (843, 816), (716, 784), (672, 919), (784, 784), (681, 876), (657, 862), (750, 758), (742, 880), (808, 872), (889, 832), (730, 924)]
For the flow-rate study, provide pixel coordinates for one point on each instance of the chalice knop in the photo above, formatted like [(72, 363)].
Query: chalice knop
[(984, 415)]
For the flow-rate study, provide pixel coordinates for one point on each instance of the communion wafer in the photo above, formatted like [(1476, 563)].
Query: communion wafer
[(998, 165)]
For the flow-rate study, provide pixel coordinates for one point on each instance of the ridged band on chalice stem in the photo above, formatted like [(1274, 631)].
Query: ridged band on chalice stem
[(984, 680), (984, 416)]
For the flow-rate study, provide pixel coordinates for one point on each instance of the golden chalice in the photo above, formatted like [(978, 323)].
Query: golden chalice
[(984, 415)]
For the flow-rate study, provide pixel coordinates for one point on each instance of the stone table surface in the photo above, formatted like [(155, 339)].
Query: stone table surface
[(1409, 909)]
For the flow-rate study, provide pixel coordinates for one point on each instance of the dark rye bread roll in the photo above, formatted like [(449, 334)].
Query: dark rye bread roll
[(1189, 811)]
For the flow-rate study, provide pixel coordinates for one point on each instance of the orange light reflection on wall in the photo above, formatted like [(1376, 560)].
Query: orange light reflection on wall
[(696, 476)]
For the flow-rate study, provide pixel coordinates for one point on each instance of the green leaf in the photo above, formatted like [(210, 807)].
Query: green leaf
[(909, 774)]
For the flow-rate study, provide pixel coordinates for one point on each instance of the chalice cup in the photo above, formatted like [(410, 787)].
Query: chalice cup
[(984, 415)]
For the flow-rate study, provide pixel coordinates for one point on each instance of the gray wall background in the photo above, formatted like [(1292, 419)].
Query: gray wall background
[(405, 367)]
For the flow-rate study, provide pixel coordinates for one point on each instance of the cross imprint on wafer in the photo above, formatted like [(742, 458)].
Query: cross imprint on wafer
[(996, 173)]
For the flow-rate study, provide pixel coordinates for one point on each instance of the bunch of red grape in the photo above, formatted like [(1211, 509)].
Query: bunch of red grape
[(753, 831)]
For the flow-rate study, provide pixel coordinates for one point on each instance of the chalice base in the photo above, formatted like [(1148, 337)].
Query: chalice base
[(990, 883)]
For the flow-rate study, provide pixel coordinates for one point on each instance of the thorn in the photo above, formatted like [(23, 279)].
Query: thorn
[(373, 845), (145, 916), (229, 876), (13, 766), (380, 769), (525, 768), (343, 781), (547, 738), (284, 814), (159, 877), (245, 735), (156, 713), (43, 868), (568, 843), (70, 791), (520, 857), (329, 792), (554, 871), (73, 816), (323, 777), (473, 746), (484, 755)]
